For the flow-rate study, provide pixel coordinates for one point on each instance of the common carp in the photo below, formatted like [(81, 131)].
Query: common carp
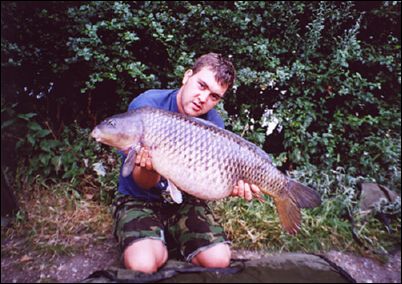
[(203, 160)]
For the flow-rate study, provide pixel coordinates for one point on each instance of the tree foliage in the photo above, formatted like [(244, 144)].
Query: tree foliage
[(330, 71)]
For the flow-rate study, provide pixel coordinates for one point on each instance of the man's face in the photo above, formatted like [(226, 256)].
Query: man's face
[(199, 93)]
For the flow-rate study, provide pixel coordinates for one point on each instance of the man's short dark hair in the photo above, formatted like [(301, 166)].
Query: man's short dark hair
[(224, 70)]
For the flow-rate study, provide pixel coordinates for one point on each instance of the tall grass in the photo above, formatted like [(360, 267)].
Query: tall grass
[(255, 225)]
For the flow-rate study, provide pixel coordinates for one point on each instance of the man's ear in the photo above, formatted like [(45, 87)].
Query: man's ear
[(187, 75)]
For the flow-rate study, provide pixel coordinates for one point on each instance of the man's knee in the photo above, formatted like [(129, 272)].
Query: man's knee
[(145, 256), (217, 256)]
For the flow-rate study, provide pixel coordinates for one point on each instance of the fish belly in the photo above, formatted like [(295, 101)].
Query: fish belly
[(202, 181)]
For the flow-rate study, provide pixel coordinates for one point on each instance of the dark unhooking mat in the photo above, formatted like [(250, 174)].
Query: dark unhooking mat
[(282, 268)]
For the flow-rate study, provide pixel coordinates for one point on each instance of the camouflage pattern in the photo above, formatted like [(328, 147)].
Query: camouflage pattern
[(185, 228)]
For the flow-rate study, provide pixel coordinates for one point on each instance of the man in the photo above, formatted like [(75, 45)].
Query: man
[(145, 221)]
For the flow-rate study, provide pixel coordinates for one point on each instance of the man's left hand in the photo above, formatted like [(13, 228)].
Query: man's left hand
[(246, 191)]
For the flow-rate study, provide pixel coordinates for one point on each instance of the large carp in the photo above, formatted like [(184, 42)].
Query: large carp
[(203, 160)]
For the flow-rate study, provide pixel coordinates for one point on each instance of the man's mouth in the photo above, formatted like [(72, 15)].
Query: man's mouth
[(196, 107)]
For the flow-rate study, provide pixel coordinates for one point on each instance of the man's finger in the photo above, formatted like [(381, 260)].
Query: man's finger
[(149, 164), (235, 191), (255, 189), (144, 158), (247, 192), (241, 189), (139, 157), (257, 193)]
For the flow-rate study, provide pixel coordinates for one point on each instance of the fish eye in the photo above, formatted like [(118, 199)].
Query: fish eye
[(110, 122)]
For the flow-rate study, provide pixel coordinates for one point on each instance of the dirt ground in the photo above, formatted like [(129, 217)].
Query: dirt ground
[(368, 270), (29, 268)]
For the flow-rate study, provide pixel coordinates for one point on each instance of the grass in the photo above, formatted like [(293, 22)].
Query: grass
[(254, 225), (53, 222), (59, 219)]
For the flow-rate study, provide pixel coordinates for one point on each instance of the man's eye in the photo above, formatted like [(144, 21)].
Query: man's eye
[(202, 86), (215, 97)]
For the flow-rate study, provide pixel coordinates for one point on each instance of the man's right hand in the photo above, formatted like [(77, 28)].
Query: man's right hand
[(144, 159), (144, 174)]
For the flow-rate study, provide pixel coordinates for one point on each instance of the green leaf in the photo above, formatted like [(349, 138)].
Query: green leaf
[(26, 116), (31, 140), (34, 126), (7, 123), (49, 145)]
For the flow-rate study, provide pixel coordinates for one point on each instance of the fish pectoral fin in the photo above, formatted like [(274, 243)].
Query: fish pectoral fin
[(129, 162), (174, 192)]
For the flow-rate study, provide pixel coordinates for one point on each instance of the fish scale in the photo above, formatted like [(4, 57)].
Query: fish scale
[(204, 160), (190, 142)]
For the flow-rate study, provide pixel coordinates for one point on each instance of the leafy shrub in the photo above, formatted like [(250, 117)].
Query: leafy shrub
[(70, 158)]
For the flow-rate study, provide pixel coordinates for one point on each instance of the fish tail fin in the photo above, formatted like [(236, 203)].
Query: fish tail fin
[(304, 196), (288, 205), (289, 214)]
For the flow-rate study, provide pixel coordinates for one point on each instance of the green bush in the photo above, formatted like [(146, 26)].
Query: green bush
[(73, 158), (325, 74)]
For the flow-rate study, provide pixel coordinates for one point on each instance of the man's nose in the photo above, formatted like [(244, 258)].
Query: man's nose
[(204, 96)]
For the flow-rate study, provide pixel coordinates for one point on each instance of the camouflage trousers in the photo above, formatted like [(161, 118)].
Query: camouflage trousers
[(186, 229)]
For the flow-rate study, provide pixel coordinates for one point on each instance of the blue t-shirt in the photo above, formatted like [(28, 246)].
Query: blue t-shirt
[(162, 99)]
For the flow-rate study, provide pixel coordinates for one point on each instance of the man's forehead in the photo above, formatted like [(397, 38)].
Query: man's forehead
[(206, 71), (208, 76)]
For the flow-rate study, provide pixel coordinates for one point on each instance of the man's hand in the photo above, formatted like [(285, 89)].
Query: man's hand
[(246, 191), (144, 174), (144, 159)]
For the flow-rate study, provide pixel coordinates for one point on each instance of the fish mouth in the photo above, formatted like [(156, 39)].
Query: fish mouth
[(96, 134)]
